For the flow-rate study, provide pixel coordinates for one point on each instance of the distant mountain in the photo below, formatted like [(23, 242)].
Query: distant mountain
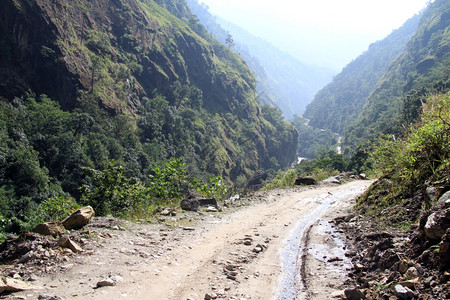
[(282, 80), (422, 68), (338, 104)]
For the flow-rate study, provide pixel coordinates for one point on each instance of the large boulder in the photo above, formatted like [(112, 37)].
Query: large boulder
[(437, 224), (193, 204), (189, 204), (305, 181), (208, 202), (50, 228), (79, 218)]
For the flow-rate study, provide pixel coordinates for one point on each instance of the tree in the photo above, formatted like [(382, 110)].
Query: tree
[(229, 40)]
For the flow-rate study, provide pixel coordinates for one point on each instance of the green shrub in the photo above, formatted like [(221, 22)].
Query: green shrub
[(282, 179), (111, 192), (214, 188)]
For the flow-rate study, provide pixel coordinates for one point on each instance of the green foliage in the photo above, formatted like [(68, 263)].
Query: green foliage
[(54, 208), (111, 191), (312, 141), (215, 187), (406, 163), (282, 179), (319, 168), (339, 103), (167, 181), (57, 207), (140, 90)]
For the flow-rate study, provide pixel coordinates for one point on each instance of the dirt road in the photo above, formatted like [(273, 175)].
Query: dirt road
[(257, 252)]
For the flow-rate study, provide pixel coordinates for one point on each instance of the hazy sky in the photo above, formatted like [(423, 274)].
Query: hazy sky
[(321, 32)]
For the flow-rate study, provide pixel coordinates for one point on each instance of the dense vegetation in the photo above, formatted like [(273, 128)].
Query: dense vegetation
[(408, 166), (118, 91)]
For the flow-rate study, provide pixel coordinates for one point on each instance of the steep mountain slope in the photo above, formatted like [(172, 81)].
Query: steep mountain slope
[(338, 104), (130, 82), (281, 79), (423, 67)]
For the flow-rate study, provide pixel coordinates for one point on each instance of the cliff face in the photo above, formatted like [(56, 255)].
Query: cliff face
[(25, 34), (58, 47)]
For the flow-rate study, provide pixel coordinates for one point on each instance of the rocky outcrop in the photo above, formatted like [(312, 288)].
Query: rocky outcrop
[(79, 218), (50, 228), (411, 263), (305, 181), (193, 204)]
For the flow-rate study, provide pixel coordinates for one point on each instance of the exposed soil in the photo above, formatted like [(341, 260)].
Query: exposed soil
[(239, 253)]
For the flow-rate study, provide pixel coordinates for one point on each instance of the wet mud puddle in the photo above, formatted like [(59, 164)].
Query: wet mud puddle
[(328, 251)]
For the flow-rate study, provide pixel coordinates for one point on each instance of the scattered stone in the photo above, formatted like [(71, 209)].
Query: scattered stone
[(50, 228), (106, 282), (437, 224), (209, 296), (111, 280), (411, 273), (363, 176), (66, 242), (334, 259), (211, 209), (12, 285), (165, 212), (79, 218), (354, 294), (26, 257), (48, 297), (403, 266), (259, 248), (188, 228), (444, 198), (359, 267), (333, 179), (403, 293)]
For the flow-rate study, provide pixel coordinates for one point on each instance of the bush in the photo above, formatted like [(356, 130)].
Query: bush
[(282, 179), (111, 192), (422, 155), (167, 181), (214, 188)]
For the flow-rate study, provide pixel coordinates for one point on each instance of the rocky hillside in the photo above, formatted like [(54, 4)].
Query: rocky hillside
[(86, 84)]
